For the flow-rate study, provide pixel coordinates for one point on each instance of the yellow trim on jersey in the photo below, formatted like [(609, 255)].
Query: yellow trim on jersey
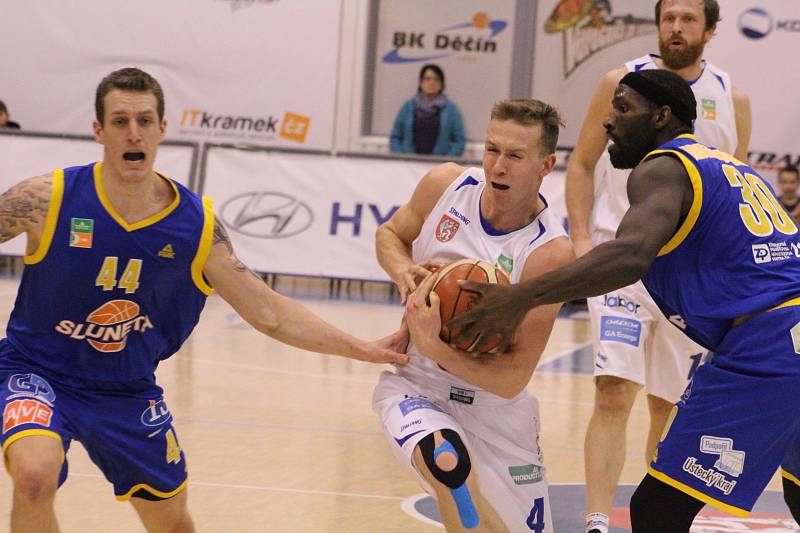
[(789, 303), (149, 221), (151, 490), (204, 248), (32, 433), (56, 196), (696, 494), (790, 477), (697, 201)]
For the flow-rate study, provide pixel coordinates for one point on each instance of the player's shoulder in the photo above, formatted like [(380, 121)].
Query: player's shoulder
[(611, 79), (553, 254), (441, 176)]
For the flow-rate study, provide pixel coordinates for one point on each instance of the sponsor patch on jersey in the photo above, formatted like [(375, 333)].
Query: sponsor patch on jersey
[(81, 231), (447, 229), (506, 263), (709, 109), (31, 386), (618, 329), (772, 252), (107, 328), (462, 395), (26, 411), (525, 475), (614, 301), (412, 403)]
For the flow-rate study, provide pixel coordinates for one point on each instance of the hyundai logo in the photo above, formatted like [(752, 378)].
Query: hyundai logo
[(755, 23), (266, 215)]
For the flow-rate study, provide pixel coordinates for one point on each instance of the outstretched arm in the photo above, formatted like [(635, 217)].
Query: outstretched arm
[(283, 318), (660, 194)]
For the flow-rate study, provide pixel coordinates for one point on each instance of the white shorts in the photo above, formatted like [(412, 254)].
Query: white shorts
[(502, 437), (632, 339)]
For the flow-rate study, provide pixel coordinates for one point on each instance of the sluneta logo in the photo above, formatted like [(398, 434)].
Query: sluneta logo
[(588, 26), (463, 38)]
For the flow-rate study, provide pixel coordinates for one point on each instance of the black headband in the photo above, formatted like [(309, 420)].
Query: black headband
[(660, 96)]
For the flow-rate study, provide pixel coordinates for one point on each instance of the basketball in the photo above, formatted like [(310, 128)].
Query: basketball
[(454, 300)]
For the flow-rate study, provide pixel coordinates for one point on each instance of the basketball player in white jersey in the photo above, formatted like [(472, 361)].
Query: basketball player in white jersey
[(466, 427), (634, 344)]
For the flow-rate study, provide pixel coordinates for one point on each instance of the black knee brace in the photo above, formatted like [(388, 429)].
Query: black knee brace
[(657, 507), (451, 478)]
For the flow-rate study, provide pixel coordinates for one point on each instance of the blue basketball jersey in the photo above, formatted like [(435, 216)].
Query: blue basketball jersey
[(736, 253), (101, 299)]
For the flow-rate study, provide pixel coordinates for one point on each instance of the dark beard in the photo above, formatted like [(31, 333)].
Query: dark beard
[(630, 154), (678, 59)]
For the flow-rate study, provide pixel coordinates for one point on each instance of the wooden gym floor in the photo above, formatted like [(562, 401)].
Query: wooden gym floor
[(282, 440)]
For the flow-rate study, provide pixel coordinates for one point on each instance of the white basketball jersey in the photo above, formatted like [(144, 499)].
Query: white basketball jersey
[(456, 230), (715, 126)]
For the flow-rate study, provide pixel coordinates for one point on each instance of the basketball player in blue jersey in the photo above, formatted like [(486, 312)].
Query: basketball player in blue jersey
[(722, 261), (119, 262), (659, 359)]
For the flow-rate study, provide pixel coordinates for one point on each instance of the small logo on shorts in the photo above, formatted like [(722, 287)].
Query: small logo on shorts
[(462, 395), (525, 475), (31, 386), (156, 414), (21, 412), (730, 461)]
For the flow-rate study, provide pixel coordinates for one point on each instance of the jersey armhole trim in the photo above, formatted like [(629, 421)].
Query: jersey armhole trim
[(697, 201), (204, 248), (56, 196)]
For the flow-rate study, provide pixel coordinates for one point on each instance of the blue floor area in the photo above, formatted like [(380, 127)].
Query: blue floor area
[(580, 361)]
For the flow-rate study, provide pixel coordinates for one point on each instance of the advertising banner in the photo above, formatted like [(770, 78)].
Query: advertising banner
[(471, 40), (240, 71), (307, 214)]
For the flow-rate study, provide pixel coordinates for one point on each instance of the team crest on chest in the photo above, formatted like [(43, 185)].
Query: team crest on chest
[(446, 229)]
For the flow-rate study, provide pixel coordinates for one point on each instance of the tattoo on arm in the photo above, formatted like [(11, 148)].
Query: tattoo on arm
[(221, 237), (24, 206)]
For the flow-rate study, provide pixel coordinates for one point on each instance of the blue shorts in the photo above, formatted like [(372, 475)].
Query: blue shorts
[(126, 428), (739, 417)]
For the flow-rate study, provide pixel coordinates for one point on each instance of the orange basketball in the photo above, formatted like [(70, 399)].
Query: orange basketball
[(454, 300)]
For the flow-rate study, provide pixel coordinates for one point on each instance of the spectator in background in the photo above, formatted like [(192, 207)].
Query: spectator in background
[(4, 122), (788, 180), (428, 123)]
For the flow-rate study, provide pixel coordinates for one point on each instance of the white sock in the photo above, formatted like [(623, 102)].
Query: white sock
[(596, 522)]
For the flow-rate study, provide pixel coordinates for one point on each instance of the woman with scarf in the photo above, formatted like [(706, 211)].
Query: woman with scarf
[(428, 123)]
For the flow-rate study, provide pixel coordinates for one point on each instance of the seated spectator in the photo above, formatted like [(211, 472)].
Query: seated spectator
[(428, 123), (788, 180), (4, 122)]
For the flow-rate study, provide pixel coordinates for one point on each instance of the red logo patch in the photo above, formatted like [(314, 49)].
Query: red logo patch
[(446, 229), (26, 412)]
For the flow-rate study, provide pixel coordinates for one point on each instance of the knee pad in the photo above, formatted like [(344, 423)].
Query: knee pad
[(455, 479), (451, 478)]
